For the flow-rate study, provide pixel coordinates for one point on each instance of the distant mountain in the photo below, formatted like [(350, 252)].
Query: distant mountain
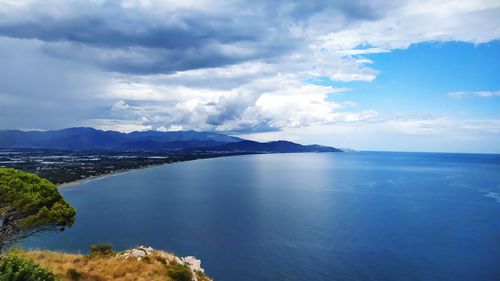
[(270, 147), (92, 139)]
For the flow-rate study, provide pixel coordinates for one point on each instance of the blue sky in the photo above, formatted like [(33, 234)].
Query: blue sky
[(418, 79), (370, 75)]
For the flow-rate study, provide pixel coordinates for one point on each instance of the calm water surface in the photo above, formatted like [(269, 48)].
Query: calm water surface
[(304, 217)]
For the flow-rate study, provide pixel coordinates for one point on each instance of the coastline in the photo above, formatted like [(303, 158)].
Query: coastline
[(119, 172)]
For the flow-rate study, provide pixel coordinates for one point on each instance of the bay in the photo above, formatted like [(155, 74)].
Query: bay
[(307, 216)]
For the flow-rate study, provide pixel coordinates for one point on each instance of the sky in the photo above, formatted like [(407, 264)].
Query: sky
[(402, 75)]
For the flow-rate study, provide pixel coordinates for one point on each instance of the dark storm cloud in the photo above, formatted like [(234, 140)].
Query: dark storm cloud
[(352, 10), (126, 30), (139, 41), (141, 60), (144, 41), (37, 91), (60, 60)]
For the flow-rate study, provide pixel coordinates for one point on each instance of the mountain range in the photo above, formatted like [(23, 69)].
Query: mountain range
[(82, 138)]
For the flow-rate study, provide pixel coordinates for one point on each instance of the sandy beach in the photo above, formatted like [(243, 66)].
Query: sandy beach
[(119, 172)]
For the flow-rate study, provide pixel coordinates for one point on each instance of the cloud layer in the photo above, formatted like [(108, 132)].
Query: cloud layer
[(231, 66)]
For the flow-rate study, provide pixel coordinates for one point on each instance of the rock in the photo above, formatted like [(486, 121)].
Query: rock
[(193, 263), (141, 252), (138, 253)]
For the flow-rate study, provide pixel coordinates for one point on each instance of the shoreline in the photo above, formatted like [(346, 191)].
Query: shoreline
[(114, 173), (118, 172)]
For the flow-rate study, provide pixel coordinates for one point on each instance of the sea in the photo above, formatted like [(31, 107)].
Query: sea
[(303, 216)]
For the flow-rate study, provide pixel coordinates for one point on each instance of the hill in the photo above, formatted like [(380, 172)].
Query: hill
[(140, 264), (269, 147), (89, 139), (92, 139)]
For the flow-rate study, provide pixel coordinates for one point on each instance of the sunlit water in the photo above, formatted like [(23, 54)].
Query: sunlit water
[(329, 216)]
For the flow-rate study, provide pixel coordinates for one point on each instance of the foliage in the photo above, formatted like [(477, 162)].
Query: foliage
[(102, 250), (15, 251), (202, 277), (15, 268), (29, 205), (179, 272), (73, 274)]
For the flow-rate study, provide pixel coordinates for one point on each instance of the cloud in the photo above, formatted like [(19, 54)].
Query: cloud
[(39, 91), (420, 21), (151, 37), (408, 133), (232, 66), (264, 104), (487, 94), (456, 95), (465, 94), (126, 126)]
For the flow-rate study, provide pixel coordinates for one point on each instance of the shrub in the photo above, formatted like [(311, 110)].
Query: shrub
[(73, 274), (102, 250), (15, 268), (202, 277), (179, 272)]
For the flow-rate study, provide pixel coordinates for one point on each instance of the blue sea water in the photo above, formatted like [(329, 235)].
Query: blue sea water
[(304, 217)]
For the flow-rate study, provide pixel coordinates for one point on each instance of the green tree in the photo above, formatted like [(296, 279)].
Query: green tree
[(29, 205)]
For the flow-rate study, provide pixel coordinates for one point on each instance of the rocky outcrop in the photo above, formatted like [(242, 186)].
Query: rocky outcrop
[(141, 253), (137, 253), (193, 263)]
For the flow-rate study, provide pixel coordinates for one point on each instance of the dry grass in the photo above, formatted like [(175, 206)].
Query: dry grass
[(73, 267)]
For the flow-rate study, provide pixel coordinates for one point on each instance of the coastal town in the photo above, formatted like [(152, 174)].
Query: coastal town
[(63, 166)]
